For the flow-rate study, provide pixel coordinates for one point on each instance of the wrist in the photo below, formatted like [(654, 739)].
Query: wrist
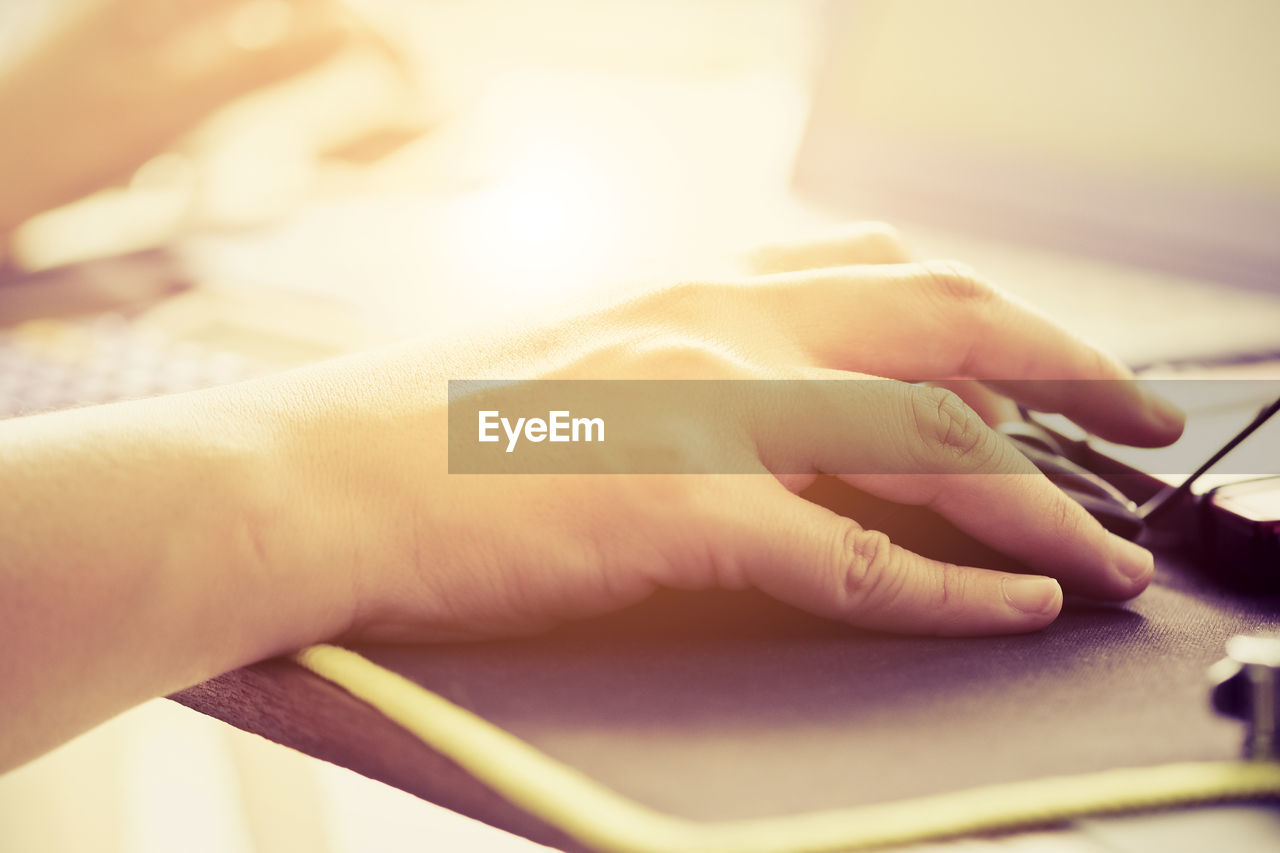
[(270, 528), (351, 496), (137, 550)]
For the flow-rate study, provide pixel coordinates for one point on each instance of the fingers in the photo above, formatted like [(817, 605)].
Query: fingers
[(993, 408), (873, 243), (940, 321), (854, 243), (923, 446), (234, 53), (814, 559)]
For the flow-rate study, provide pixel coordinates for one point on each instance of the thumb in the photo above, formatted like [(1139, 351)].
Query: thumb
[(810, 557)]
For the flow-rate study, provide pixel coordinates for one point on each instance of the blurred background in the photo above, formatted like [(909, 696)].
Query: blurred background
[(195, 191), (424, 147)]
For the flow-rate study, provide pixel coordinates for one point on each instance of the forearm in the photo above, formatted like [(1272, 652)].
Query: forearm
[(136, 558)]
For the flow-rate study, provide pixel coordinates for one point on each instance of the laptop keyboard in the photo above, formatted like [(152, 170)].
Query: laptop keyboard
[(58, 364)]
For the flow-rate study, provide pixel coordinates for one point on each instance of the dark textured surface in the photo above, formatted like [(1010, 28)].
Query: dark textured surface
[(720, 705), (767, 712)]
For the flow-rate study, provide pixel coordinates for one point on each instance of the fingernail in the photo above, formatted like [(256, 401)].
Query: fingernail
[(1134, 562), (1031, 595), (1163, 411)]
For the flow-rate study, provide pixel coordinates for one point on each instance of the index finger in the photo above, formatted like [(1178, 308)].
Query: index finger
[(948, 323)]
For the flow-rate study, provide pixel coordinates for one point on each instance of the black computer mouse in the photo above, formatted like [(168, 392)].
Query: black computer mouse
[(1111, 507)]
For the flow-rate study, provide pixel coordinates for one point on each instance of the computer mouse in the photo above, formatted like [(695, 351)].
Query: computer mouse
[(1111, 507)]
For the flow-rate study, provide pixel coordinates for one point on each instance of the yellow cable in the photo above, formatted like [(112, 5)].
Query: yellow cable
[(601, 818)]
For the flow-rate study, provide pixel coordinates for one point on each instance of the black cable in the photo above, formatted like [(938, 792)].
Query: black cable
[(1168, 497)]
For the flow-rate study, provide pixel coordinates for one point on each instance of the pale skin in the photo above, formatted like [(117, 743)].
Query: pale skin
[(145, 546)]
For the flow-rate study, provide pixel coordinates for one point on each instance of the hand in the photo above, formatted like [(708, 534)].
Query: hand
[(125, 78), (436, 556), (250, 520)]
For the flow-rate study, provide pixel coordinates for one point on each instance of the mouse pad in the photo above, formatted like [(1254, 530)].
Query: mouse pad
[(722, 705)]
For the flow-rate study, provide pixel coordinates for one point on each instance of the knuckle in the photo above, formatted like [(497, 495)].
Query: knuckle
[(689, 303), (865, 566), (945, 422), (1065, 517), (685, 358), (1065, 524), (953, 600), (952, 581), (957, 282), (1101, 366), (883, 240), (879, 228)]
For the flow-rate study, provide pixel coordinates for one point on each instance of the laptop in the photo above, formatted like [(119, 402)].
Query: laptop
[(1117, 165)]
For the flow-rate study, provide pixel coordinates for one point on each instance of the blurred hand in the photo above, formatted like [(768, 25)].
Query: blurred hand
[(363, 445), (123, 79)]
